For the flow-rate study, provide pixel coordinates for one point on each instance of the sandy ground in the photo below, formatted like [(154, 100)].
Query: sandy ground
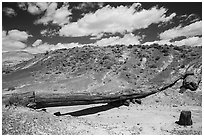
[(101, 119), (155, 116), (135, 119)]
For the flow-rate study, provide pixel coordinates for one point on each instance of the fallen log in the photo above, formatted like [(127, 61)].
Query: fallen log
[(48, 99)]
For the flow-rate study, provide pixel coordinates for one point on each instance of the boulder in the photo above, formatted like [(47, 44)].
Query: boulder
[(57, 113), (191, 82), (138, 101), (126, 102)]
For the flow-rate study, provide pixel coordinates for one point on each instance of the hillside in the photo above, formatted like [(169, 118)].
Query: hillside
[(12, 58), (133, 66), (112, 70)]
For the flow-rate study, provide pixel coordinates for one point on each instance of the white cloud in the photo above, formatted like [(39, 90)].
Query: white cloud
[(42, 48), (87, 5), (191, 41), (12, 45), (4, 33), (22, 5), (160, 42), (53, 15), (37, 43), (34, 8), (14, 40), (49, 32), (9, 12), (18, 35), (111, 20), (49, 10), (98, 36), (192, 18), (66, 45), (126, 40), (188, 31)]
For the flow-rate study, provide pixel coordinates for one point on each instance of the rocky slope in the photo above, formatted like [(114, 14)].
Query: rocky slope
[(111, 70), (108, 68), (10, 59)]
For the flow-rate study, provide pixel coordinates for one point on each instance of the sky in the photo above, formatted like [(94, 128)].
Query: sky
[(37, 27)]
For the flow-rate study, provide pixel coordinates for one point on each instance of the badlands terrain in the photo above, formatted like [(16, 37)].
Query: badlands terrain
[(158, 81)]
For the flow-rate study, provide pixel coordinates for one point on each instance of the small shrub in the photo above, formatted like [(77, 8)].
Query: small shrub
[(157, 58), (182, 66), (182, 56), (47, 52), (166, 54), (193, 54), (11, 88), (153, 66)]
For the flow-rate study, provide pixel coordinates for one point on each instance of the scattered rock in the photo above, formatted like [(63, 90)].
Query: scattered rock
[(175, 105), (157, 101), (57, 114), (138, 101), (133, 101), (126, 102), (11, 88), (43, 109), (182, 89), (190, 82)]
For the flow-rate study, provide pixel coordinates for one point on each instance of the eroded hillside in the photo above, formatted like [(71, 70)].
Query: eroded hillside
[(108, 70), (79, 75), (128, 66)]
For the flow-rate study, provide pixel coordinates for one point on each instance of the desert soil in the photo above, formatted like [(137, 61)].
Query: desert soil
[(101, 119)]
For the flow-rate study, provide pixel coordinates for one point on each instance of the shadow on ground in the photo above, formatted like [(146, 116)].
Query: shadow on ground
[(89, 111)]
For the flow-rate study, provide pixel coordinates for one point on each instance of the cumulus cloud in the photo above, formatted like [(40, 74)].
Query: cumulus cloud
[(49, 32), (115, 19), (188, 31), (126, 40), (192, 18), (43, 47), (9, 12), (98, 36), (49, 10), (191, 41), (37, 43), (14, 40), (160, 42), (18, 35), (85, 6), (53, 15), (4, 33), (22, 5), (33, 8)]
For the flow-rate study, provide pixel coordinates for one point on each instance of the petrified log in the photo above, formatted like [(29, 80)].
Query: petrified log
[(116, 103), (63, 99), (53, 99), (185, 118)]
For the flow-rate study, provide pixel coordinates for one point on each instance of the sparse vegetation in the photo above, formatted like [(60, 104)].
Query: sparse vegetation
[(100, 71)]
